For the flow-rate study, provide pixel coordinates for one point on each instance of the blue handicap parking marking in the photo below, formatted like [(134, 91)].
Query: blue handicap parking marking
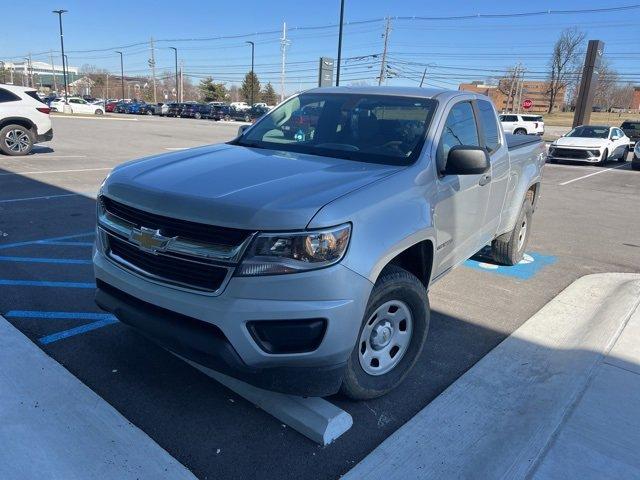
[(99, 320), (528, 267)]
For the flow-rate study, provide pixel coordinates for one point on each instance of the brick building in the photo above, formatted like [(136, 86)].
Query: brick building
[(635, 102), (533, 90)]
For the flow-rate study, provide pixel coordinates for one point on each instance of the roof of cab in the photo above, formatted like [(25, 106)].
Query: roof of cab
[(397, 91)]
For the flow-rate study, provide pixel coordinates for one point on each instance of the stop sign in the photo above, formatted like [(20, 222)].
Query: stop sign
[(527, 103)]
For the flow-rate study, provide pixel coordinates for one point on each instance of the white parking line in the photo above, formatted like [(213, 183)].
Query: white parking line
[(591, 174), (57, 171), (99, 117), (47, 197), (176, 148)]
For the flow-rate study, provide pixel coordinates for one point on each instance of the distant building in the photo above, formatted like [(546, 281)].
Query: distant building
[(635, 100), (42, 73), (533, 90)]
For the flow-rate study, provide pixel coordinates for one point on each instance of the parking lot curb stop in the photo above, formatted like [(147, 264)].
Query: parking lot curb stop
[(313, 417)]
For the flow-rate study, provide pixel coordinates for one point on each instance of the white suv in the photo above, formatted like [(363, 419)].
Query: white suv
[(522, 124), (24, 120)]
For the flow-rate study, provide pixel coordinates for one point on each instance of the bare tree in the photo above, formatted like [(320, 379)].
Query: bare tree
[(607, 84), (565, 63)]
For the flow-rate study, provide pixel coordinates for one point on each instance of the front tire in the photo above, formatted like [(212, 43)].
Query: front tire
[(625, 152), (98, 112), (197, 116), (604, 158), (391, 337), (509, 248), (16, 140)]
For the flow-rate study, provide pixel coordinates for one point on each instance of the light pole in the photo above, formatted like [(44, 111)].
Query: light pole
[(175, 53), (253, 46), (64, 70), (121, 73), (4, 79), (340, 42)]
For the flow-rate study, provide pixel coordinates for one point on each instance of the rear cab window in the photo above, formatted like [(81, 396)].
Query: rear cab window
[(489, 125)]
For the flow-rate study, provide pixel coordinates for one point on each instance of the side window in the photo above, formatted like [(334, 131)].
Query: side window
[(489, 125), (7, 96), (459, 129)]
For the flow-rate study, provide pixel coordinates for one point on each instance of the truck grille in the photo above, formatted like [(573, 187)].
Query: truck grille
[(172, 227), (173, 270), (170, 251)]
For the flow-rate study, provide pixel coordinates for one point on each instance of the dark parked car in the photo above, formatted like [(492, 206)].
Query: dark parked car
[(302, 120), (110, 107), (221, 112), (121, 107), (175, 109), (631, 129), (197, 110), (247, 115)]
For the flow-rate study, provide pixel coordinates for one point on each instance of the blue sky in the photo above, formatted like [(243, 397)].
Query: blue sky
[(452, 50)]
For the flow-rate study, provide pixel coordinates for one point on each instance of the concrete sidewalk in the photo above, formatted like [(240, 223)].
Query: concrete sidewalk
[(53, 426), (559, 398)]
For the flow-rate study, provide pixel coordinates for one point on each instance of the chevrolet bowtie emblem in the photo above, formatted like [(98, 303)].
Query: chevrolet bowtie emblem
[(150, 240)]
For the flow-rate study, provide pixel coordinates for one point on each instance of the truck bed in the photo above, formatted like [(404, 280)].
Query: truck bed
[(519, 141)]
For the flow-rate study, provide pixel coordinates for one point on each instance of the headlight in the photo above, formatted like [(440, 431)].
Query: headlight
[(278, 253)]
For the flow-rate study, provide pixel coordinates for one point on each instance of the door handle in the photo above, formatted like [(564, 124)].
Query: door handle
[(484, 180)]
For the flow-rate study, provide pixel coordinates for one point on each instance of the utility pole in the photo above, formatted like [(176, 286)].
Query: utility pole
[(284, 43), (175, 52), (182, 80), (121, 74), (512, 86), (520, 86), (340, 43), (53, 69), (253, 46), (424, 74), (383, 65), (64, 71), (30, 82), (588, 82), (152, 64)]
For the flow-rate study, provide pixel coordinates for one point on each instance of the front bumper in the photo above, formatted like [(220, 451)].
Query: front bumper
[(182, 322)]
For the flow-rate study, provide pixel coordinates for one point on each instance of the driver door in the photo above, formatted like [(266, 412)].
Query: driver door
[(462, 200)]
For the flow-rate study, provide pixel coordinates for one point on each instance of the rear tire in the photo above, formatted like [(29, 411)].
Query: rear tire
[(509, 248), (16, 140), (398, 301), (519, 131), (197, 116)]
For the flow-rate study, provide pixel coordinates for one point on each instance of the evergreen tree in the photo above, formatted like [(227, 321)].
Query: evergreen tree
[(269, 95), (211, 91), (245, 88)]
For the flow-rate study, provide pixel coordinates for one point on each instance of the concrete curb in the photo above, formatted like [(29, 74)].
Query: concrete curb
[(313, 417), (53, 426), (499, 418)]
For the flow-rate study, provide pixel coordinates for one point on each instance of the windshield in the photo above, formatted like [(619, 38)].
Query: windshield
[(631, 125), (589, 132), (367, 128)]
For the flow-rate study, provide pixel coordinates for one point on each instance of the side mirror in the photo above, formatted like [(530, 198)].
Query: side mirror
[(463, 160), (242, 129)]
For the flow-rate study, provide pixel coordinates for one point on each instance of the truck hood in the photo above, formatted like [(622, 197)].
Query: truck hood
[(239, 187), (586, 142)]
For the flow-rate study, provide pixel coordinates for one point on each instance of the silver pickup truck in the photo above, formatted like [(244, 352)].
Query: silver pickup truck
[(297, 257)]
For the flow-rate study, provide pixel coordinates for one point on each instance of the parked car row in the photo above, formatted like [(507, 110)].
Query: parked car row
[(215, 111), (522, 124)]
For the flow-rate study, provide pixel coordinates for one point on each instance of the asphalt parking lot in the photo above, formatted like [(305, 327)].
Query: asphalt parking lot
[(587, 221)]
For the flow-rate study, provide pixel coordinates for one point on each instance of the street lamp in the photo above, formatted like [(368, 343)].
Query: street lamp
[(253, 46), (64, 70), (340, 42), (121, 73), (175, 51)]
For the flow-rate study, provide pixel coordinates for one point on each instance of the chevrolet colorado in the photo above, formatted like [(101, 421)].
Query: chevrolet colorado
[(301, 262)]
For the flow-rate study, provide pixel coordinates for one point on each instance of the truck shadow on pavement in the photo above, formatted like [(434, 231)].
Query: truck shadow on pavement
[(46, 288)]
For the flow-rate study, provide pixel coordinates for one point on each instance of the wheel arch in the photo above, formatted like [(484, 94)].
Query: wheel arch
[(22, 121), (416, 259)]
